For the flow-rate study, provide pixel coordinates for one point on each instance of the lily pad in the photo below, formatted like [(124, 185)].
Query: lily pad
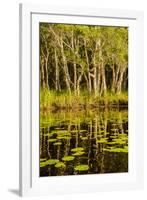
[(57, 143), (77, 149), (84, 138), (102, 140), (119, 141), (78, 153), (113, 136), (117, 150), (52, 161), (81, 168), (62, 132), (111, 143), (42, 164), (50, 134), (68, 158), (64, 137), (60, 165), (52, 140), (82, 131)]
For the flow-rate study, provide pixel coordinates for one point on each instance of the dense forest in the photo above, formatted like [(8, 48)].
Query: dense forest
[(77, 59)]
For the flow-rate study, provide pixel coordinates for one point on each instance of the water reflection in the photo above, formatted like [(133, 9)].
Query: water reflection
[(83, 142)]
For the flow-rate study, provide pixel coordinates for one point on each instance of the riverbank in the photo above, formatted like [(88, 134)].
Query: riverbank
[(52, 100)]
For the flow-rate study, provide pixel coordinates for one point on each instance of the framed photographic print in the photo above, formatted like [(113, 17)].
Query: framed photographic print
[(81, 100)]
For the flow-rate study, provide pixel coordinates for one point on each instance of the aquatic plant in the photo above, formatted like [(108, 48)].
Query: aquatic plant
[(60, 165), (81, 168), (68, 158), (77, 149), (57, 143), (52, 161), (52, 140)]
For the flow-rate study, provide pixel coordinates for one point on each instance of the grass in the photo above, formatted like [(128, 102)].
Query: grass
[(56, 100), (80, 116)]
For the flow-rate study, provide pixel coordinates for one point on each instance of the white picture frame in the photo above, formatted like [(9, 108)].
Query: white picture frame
[(30, 183)]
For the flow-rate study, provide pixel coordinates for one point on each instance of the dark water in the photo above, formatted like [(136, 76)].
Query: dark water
[(83, 142)]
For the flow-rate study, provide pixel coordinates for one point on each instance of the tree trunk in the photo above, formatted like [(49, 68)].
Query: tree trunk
[(46, 72), (65, 68), (94, 76), (88, 67), (120, 80), (57, 84), (113, 79), (42, 78), (103, 85), (78, 83)]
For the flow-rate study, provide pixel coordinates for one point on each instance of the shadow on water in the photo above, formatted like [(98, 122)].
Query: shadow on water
[(83, 142)]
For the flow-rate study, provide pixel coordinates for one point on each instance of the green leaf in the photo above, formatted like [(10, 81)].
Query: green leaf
[(81, 168), (77, 149), (52, 161), (57, 143), (68, 158), (60, 165), (52, 140), (64, 137), (78, 153)]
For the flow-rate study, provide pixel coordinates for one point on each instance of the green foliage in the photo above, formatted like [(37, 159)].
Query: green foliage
[(68, 158), (78, 153), (84, 138), (48, 162), (77, 149), (64, 137), (53, 100), (57, 143), (117, 150), (51, 161), (52, 140), (60, 165), (64, 46), (81, 168), (102, 140)]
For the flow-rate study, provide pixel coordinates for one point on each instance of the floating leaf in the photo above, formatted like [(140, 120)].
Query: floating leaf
[(52, 140), (60, 165), (42, 164), (57, 143), (111, 143), (50, 134), (62, 132), (64, 137), (82, 131), (77, 149), (119, 141), (81, 168), (68, 158), (102, 140), (84, 138), (52, 161), (112, 136), (78, 153), (117, 150)]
